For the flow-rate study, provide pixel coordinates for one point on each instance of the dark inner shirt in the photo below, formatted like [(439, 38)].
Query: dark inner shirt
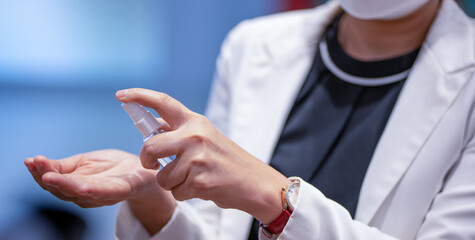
[(337, 119)]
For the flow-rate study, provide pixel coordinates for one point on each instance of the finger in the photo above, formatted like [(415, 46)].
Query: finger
[(160, 146), (65, 165), (76, 189), (173, 174), (50, 180), (171, 110), (87, 204), (65, 184), (34, 172), (44, 165), (69, 164), (183, 192), (38, 178), (164, 126)]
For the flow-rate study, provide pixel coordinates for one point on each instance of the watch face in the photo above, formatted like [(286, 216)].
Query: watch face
[(292, 194)]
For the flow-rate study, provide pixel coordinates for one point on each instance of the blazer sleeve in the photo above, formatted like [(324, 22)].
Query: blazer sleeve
[(317, 217), (195, 219), (451, 215)]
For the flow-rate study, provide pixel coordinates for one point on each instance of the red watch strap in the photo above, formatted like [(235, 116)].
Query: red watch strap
[(277, 226)]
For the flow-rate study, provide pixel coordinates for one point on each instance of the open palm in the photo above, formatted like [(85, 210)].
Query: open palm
[(93, 179)]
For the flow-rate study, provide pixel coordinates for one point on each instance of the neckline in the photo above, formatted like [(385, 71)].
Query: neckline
[(365, 73)]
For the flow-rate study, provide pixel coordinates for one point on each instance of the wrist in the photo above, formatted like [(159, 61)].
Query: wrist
[(289, 201), (268, 204), (145, 187), (152, 205)]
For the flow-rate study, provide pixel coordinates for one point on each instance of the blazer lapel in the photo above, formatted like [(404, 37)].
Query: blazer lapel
[(435, 81)]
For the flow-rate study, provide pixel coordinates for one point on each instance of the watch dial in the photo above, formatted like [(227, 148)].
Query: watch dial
[(292, 194)]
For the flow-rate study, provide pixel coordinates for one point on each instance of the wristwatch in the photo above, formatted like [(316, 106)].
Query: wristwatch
[(291, 193), (289, 200)]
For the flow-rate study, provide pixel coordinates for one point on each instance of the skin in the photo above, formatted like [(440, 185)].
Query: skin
[(208, 165), (102, 178), (373, 40)]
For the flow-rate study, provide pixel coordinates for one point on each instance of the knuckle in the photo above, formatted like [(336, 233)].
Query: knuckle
[(200, 183), (200, 131), (198, 137), (200, 119), (179, 195), (149, 148), (200, 159), (133, 92), (162, 181), (163, 97)]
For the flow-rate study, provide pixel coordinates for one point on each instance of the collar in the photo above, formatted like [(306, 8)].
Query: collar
[(450, 38)]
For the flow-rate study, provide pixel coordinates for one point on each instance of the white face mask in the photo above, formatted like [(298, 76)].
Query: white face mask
[(380, 9)]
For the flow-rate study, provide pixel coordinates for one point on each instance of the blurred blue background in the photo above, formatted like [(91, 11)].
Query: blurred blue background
[(61, 63)]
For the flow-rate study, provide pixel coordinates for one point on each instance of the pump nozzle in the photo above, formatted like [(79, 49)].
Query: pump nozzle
[(143, 119)]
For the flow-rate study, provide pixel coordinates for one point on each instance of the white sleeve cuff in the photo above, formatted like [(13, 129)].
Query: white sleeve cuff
[(180, 227), (127, 226), (184, 224), (316, 217)]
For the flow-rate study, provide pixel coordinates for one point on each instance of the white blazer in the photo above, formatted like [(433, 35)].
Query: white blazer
[(421, 180)]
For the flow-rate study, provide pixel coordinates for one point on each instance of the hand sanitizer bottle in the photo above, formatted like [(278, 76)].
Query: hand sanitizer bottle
[(147, 124)]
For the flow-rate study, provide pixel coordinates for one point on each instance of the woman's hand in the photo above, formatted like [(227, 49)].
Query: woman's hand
[(208, 165), (105, 177)]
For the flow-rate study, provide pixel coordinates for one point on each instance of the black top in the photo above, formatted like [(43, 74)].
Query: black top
[(337, 119)]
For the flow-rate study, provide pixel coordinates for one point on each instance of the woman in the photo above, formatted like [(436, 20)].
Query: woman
[(379, 125)]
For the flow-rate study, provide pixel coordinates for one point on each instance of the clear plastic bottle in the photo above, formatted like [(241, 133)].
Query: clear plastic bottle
[(147, 124)]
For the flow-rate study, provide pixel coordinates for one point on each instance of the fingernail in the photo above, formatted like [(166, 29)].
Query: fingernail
[(156, 166), (28, 161), (121, 93)]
